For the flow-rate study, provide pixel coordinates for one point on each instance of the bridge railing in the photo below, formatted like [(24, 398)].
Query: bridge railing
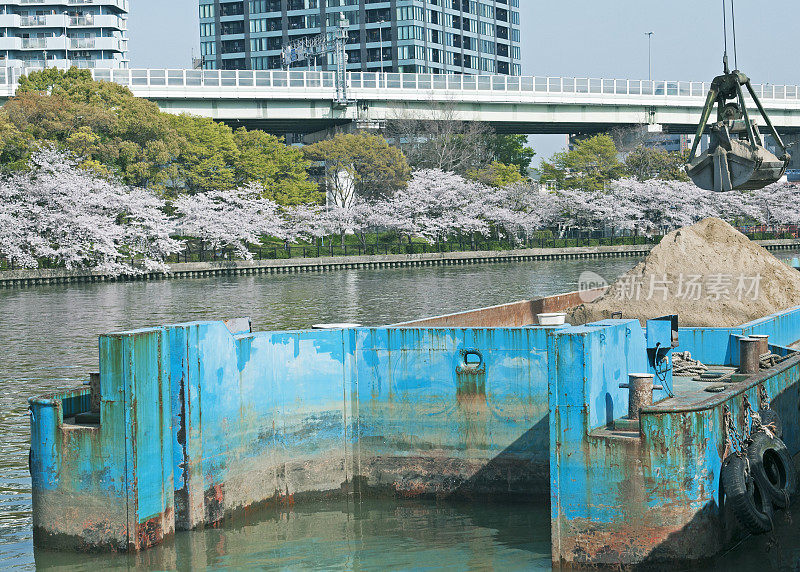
[(179, 78)]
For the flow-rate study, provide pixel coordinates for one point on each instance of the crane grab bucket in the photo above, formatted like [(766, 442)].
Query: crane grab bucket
[(736, 158)]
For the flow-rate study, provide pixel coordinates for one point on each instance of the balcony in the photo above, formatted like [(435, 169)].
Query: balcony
[(10, 43), (32, 21), (98, 21), (82, 43), (83, 64), (34, 43), (9, 20), (53, 44), (122, 5), (79, 21), (110, 44)]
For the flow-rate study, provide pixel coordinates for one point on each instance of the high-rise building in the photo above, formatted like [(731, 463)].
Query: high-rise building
[(423, 36), (81, 33)]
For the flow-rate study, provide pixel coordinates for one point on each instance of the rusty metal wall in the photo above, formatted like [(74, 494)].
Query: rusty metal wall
[(198, 424), (257, 418), (107, 486), (719, 346), (445, 412), (650, 496), (513, 315)]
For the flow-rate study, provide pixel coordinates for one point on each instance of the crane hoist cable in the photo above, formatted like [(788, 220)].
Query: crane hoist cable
[(736, 157)]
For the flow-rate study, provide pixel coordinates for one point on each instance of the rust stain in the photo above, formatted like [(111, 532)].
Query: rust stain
[(214, 501)]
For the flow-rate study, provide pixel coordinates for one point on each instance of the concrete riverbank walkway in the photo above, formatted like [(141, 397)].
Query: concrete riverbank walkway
[(27, 278)]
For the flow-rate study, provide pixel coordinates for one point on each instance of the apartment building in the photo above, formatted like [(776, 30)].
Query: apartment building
[(81, 33), (415, 36)]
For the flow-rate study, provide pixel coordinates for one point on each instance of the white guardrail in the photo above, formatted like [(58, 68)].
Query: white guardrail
[(161, 78)]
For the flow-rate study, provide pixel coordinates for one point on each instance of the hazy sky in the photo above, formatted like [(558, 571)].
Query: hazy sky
[(571, 38)]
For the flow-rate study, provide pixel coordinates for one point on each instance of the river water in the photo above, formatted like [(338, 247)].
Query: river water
[(48, 340)]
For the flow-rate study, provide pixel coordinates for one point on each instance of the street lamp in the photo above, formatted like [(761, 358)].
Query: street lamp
[(66, 37), (380, 36), (649, 55)]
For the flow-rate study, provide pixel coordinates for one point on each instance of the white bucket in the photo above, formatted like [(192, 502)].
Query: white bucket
[(552, 319)]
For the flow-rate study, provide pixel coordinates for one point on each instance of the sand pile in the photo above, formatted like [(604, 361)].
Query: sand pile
[(709, 274)]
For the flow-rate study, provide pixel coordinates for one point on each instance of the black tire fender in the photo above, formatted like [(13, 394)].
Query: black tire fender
[(773, 468), (752, 508)]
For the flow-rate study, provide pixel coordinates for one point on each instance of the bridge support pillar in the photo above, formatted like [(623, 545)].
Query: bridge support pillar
[(356, 126)]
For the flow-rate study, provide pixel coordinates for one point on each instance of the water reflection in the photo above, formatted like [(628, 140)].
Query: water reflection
[(368, 535)]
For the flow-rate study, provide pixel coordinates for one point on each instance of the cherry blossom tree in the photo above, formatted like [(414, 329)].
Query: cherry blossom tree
[(305, 221), (232, 218), (777, 204), (72, 217), (513, 209), (436, 204), (654, 206), (59, 212)]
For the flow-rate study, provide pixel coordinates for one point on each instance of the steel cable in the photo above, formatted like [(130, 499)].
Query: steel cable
[(733, 25)]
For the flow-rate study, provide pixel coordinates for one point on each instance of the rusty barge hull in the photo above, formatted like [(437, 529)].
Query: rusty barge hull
[(200, 422)]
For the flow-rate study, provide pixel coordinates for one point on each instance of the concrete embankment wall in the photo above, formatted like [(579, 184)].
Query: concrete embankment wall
[(23, 278), (27, 278)]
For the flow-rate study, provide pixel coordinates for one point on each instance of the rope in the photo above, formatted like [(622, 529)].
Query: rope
[(768, 360), (684, 365)]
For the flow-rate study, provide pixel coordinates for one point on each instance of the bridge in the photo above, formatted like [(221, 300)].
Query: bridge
[(303, 101)]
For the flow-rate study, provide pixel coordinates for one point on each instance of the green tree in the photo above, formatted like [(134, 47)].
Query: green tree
[(645, 163), (101, 122), (15, 146), (117, 134), (208, 156), (375, 168), (512, 150), (282, 171), (497, 174), (589, 166)]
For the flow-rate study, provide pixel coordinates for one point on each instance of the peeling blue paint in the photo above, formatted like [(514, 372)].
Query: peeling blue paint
[(198, 424)]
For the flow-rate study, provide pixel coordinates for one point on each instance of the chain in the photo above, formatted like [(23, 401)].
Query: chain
[(763, 397), (733, 440), (748, 424)]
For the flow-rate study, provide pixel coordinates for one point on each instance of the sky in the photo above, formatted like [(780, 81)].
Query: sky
[(569, 38)]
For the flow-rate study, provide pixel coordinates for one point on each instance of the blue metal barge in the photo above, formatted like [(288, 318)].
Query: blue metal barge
[(196, 423)]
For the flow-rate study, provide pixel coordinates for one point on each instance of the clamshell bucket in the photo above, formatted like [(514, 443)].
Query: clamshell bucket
[(736, 158), (739, 167)]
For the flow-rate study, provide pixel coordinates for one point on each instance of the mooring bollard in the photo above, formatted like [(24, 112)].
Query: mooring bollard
[(749, 355), (763, 346), (640, 386)]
